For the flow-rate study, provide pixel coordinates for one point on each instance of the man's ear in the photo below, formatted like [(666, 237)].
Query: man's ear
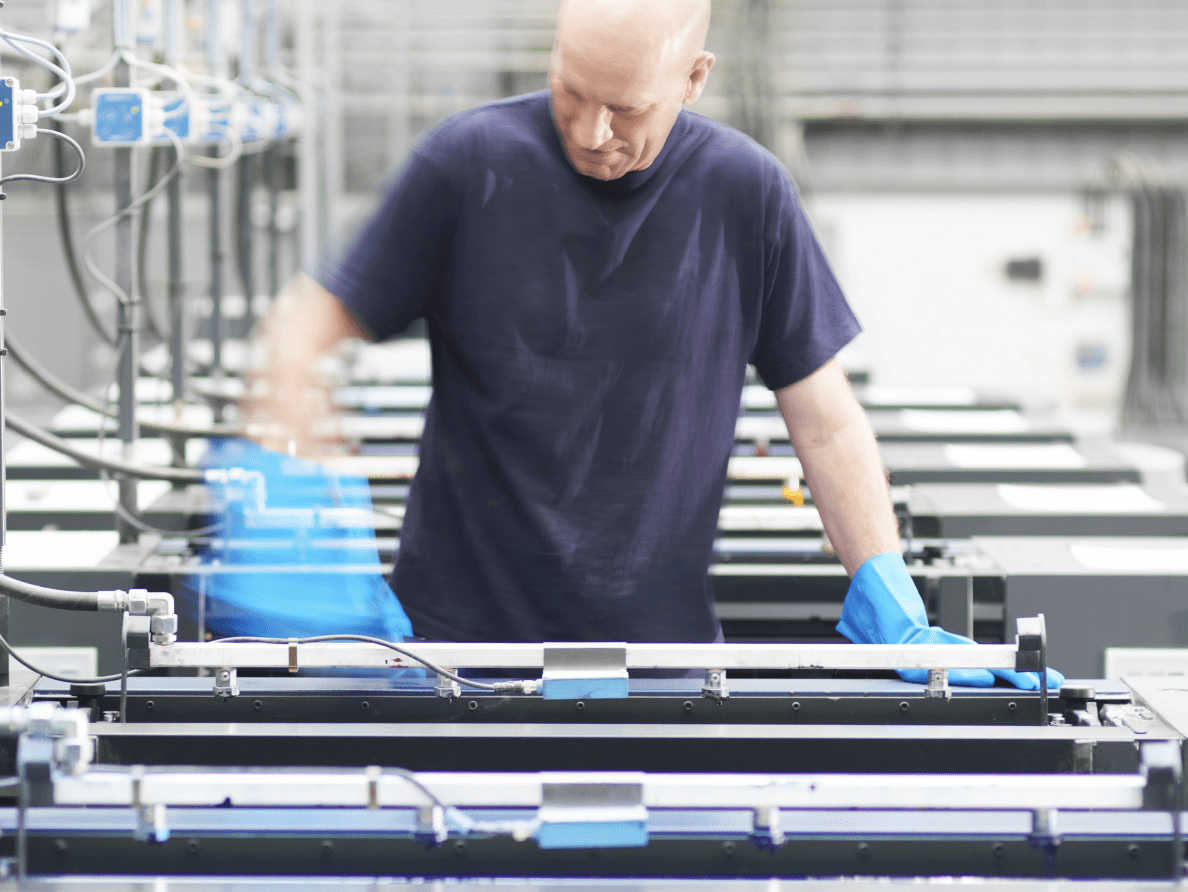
[(698, 76)]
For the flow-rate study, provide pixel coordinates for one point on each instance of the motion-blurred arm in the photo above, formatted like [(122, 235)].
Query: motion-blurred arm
[(287, 397)]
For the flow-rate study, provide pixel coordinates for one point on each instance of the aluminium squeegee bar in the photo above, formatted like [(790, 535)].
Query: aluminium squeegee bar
[(248, 655), (171, 786)]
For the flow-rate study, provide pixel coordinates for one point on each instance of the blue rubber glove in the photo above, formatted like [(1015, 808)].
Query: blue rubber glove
[(288, 598), (883, 607)]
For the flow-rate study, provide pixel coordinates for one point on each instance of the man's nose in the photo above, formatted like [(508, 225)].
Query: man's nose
[(592, 127)]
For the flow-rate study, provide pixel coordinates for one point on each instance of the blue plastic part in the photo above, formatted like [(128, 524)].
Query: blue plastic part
[(7, 114), (593, 835), (177, 119), (119, 117), (584, 688)]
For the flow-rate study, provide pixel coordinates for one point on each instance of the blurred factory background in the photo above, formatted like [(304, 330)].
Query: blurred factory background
[(960, 160)]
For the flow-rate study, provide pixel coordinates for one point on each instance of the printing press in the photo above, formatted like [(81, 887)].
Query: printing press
[(777, 760)]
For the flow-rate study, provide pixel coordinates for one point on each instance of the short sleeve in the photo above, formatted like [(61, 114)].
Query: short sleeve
[(395, 266), (805, 318)]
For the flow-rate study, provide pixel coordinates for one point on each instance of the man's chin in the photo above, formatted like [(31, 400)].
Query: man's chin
[(604, 172)]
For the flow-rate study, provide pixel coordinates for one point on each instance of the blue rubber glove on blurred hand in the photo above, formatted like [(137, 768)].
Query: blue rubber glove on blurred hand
[(883, 606)]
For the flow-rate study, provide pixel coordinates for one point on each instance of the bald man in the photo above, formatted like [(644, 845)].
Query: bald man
[(598, 266)]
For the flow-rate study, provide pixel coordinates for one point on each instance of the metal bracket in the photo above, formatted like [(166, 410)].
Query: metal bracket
[(138, 630), (581, 815), (431, 826), (715, 685), (226, 683), (1160, 763), (767, 833), (1045, 828), (1031, 643), (584, 671), (151, 825), (938, 685), (446, 687)]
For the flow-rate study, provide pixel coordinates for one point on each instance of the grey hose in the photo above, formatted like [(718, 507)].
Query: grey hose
[(39, 596), (147, 472), (68, 392)]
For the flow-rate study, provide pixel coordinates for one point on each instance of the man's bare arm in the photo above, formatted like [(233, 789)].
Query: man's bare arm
[(287, 397), (836, 446)]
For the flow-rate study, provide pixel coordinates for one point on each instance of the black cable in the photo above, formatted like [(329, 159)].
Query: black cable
[(145, 527), (41, 596), (147, 472), (101, 679), (367, 639), (69, 253), (71, 394), (60, 180), (150, 321)]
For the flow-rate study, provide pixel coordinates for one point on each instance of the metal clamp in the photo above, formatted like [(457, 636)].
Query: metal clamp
[(373, 773), (767, 833), (446, 687), (1045, 828), (715, 685), (226, 683), (151, 825), (431, 826), (938, 685)]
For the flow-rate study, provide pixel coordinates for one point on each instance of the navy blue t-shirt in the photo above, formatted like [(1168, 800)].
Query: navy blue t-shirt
[(590, 341)]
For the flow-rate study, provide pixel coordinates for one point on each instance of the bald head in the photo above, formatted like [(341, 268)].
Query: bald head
[(620, 72), (657, 32)]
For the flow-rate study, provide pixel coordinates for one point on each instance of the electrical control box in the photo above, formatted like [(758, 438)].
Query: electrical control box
[(8, 114), (18, 114), (121, 117)]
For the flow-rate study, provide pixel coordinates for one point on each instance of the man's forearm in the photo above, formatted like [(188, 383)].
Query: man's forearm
[(836, 447), (287, 397)]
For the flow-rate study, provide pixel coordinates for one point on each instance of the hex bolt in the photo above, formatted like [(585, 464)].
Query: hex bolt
[(472, 705)]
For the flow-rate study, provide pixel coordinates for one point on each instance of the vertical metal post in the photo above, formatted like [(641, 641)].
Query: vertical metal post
[(246, 172), (177, 287), (308, 167), (214, 188), (128, 321), (3, 464), (398, 119), (332, 122), (274, 157)]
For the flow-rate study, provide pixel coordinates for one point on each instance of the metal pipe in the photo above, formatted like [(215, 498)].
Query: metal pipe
[(127, 319), (308, 167), (177, 287), (246, 170), (214, 188)]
